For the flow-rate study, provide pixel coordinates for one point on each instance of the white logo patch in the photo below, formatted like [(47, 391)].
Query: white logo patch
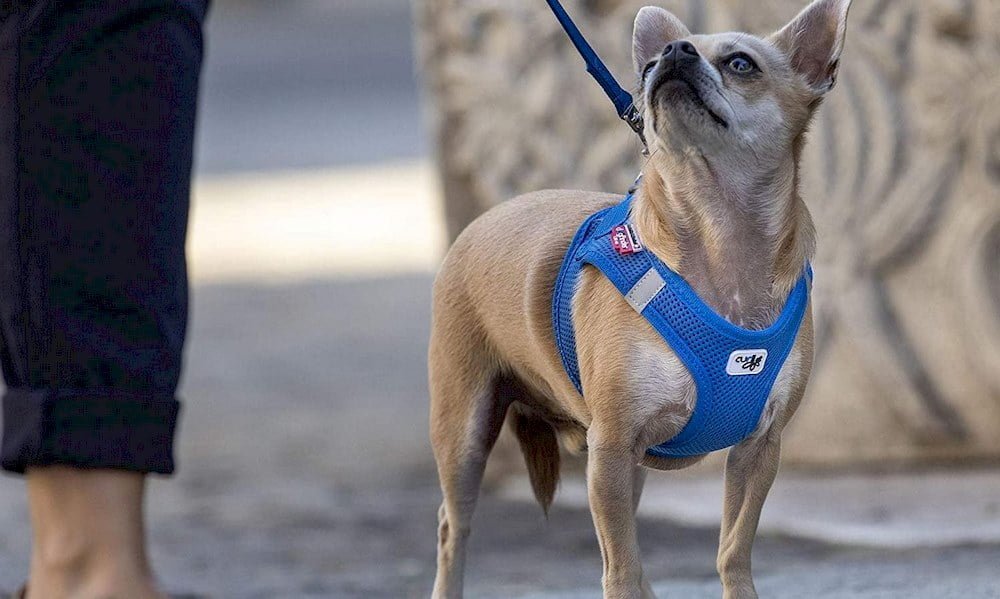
[(746, 361)]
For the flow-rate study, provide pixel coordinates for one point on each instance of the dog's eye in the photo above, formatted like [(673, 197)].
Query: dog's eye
[(742, 64), (647, 69)]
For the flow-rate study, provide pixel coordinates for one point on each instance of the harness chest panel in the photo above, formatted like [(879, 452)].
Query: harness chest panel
[(733, 368)]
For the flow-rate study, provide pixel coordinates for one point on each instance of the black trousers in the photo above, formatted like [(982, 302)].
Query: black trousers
[(97, 112)]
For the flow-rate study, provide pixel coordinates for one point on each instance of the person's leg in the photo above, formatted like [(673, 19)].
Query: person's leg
[(97, 104), (88, 534)]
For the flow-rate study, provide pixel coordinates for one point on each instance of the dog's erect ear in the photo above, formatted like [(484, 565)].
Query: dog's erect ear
[(654, 29), (814, 40)]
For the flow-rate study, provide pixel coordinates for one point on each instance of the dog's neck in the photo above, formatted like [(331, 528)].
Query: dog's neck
[(740, 242)]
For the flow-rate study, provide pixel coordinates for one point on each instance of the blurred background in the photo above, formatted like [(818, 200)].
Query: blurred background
[(330, 178)]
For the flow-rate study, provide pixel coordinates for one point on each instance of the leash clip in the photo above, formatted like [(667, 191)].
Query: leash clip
[(633, 118)]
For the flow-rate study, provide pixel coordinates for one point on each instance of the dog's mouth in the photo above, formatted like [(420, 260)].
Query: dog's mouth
[(678, 77)]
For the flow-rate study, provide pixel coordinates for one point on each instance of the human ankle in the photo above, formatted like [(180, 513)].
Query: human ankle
[(71, 576), (88, 533)]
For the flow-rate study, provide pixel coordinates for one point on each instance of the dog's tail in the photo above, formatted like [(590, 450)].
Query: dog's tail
[(540, 447)]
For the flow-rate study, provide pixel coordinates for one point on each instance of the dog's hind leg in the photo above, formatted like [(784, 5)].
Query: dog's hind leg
[(467, 414), (750, 471)]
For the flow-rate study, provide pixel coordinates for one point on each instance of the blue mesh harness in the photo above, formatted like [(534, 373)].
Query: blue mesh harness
[(733, 368)]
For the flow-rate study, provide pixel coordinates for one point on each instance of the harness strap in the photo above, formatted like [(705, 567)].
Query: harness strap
[(733, 368)]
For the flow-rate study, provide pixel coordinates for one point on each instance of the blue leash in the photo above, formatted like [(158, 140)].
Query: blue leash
[(595, 66)]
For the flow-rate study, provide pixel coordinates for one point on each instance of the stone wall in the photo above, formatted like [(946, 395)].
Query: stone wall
[(902, 176)]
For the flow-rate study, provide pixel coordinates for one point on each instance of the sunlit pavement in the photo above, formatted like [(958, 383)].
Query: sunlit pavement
[(280, 227), (902, 510)]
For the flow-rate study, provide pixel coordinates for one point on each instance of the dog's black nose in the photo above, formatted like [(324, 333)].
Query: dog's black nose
[(680, 50)]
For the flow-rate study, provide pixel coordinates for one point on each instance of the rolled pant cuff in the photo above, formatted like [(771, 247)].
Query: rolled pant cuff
[(88, 429)]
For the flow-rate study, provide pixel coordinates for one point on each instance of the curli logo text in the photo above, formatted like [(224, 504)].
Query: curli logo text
[(746, 362)]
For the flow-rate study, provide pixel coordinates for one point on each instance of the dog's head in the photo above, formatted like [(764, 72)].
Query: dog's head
[(735, 95)]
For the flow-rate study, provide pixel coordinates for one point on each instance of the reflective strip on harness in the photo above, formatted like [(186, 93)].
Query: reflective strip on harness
[(645, 290)]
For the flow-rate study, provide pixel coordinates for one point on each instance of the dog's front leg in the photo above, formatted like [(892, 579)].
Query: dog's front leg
[(611, 483), (750, 470), (638, 482)]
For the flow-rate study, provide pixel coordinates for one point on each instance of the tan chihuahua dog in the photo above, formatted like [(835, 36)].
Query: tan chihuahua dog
[(726, 116)]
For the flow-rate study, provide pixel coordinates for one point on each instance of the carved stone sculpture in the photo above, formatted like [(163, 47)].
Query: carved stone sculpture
[(902, 176)]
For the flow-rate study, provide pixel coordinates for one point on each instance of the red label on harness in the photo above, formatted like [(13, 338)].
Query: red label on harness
[(625, 240)]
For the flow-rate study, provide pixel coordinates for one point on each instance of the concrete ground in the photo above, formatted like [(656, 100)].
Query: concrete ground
[(305, 472), (305, 469)]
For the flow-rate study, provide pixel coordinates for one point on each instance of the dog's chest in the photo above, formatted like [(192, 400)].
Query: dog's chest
[(664, 394)]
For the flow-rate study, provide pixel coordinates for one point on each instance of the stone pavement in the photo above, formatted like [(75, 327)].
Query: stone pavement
[(305, 469), (305, 472)]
